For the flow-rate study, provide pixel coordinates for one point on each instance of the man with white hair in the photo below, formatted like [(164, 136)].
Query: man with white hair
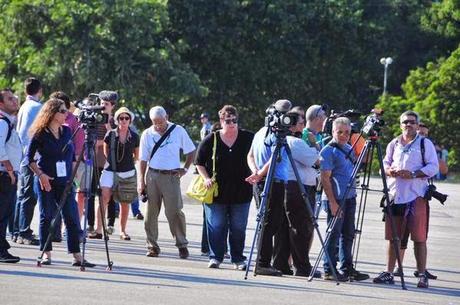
[(337, 163), (159, 177)]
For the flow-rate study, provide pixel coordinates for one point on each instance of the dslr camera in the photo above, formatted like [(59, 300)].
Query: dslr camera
[(351, 114), (91, 112), (431, 193)]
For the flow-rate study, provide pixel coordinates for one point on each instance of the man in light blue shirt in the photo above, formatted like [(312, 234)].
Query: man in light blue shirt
[(259, 159), (27, 198)]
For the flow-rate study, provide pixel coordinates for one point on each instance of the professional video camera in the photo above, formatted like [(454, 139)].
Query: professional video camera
[(278, 119), (352, 114), (432, 192), (91, 113), (373, 123)]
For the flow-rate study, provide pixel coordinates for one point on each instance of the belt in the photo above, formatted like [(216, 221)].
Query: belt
[(165, 171)]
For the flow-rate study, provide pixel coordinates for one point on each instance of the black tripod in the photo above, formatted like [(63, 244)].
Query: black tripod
[(265, 196), (88, 151), (367, 152)]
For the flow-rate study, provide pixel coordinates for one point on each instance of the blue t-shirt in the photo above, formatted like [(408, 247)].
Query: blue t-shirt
[(335, 160), (49, 153), (263, 146)]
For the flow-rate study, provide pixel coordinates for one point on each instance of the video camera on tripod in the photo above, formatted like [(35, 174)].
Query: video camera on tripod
[(278, 120), (91, 112), (373, 123)]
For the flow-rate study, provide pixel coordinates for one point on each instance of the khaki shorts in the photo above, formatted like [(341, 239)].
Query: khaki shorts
[(415, 224)]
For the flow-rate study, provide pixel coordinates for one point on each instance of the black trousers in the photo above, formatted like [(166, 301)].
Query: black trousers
[(274, 214), (295, 233)]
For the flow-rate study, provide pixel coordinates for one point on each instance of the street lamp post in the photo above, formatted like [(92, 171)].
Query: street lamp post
[(385, 61)]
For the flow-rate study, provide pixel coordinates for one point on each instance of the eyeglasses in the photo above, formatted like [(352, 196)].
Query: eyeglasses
[(63, 111), (229, 121), (409, 122), (124, 118)]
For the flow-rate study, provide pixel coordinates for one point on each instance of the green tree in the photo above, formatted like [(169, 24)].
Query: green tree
[(85, 46)]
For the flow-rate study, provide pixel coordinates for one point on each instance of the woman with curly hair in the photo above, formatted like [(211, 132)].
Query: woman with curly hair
[(50, 155)]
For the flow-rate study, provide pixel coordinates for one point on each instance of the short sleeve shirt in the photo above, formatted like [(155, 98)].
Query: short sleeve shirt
[(167, 157), (123, 152), (231, 166), (334, 160)]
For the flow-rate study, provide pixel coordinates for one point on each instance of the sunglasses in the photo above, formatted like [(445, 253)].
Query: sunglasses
[(63, 111), (409, 122), (124, 118), (229, 121)]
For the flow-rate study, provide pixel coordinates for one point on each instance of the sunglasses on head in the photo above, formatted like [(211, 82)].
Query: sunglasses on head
[(408, 122), (124, 118), (229, 121)]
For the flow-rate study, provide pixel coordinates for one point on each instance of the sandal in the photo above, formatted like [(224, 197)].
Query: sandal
[(125, 237)]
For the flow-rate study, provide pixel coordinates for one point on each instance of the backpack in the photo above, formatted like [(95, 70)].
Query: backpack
[(10, 126)]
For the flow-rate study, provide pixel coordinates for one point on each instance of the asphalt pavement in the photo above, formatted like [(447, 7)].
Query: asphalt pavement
[(167, 279)]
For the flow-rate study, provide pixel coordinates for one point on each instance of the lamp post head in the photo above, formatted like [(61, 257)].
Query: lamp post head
[(386, 61)]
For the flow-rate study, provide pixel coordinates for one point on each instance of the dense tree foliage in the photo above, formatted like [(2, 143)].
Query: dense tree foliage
[(194, 56)]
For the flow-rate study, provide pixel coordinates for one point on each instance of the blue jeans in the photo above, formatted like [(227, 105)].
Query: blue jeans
[(135, 207), (204, 234), (222, 219), (341, 238), (48, 204), (7, 203), (25, 204)]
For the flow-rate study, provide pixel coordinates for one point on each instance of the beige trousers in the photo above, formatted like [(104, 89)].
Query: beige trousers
[(164, 188)]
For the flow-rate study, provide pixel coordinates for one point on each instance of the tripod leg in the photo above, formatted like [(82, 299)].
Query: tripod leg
[(266, 194)]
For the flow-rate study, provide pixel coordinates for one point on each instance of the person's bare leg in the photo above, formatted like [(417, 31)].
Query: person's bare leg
[(81, 204), (124, 213), (106, 193), (391, 262), (420, 252)]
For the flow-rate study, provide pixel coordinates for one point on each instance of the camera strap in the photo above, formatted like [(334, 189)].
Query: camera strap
[(422, 150), (347, 154), (161, 140)]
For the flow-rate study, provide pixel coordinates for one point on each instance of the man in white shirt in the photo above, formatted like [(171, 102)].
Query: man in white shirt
[(159, 178), (10, 160)]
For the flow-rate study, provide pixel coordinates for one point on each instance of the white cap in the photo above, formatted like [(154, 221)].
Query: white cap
[(157, 112)]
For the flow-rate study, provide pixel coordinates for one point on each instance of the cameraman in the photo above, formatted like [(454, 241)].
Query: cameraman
[(408, 171), (259, 159), (296, 230), (337, 163)]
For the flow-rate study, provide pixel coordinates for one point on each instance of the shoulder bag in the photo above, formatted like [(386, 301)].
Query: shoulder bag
[(197, 189), (124, 190)]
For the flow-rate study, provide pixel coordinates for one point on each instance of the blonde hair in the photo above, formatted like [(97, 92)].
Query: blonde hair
[(45, 116)]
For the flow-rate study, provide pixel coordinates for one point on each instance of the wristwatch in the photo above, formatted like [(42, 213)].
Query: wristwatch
[(413, 175)]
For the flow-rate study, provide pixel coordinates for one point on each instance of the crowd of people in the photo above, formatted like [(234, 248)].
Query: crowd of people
[(41, 145)]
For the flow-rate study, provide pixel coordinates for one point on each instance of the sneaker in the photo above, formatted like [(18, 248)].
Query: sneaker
[(430, 276), (28, 241), (423, 281), (316, 275), (205, 253), (240, 266), (153, 252), (329, 276), (139, 216), (76, 263), (399, 272), (270, 271), (355, 275), (183, 252), (213, 263), (384, 278), (6, 257), (46, 261), (110, 230)]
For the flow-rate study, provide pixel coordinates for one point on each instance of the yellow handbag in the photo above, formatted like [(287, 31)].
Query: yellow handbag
[(197, 190)]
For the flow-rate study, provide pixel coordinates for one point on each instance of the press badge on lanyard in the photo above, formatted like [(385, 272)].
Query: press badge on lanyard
[(61, 170)]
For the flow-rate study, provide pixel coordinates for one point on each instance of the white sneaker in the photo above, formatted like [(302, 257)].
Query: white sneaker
[(213, 263), (240, 266), (110, 230)]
